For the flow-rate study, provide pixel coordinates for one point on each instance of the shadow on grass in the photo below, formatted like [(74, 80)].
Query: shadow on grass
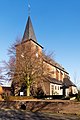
[(37, 106)]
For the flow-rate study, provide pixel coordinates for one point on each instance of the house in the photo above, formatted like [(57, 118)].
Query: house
[(58, 82), (6, 89)]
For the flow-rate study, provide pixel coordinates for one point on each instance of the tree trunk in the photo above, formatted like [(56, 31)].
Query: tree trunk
[(28, 91), (16, 91), (28, 86)]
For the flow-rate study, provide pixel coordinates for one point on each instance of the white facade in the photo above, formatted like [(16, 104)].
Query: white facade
[(71, 90), (74, 90), (55, 89)]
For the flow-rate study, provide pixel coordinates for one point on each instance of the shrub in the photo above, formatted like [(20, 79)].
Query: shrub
[(78, 96)]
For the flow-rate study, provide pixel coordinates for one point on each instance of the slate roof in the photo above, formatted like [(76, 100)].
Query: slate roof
[(67, 82), (54, 81), (54, 63), (29, 31)]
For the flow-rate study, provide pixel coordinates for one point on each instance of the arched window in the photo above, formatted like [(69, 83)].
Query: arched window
[(57, 74), (61, 76)]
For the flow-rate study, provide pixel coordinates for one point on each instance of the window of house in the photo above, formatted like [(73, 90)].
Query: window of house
[(52, 88), (74, 91), (58, 87), (55, 87)]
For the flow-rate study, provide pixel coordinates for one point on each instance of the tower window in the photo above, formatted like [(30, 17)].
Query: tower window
[(37, 55), (22, 55)]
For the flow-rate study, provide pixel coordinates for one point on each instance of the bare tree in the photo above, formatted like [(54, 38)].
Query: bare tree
[(8, 67), (27, 67), (2, 76), (76, 79)]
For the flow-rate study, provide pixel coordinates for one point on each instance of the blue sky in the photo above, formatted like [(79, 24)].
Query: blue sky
[(56, 24)]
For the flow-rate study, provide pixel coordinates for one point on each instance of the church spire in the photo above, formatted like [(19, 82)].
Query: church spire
[(29, 31)]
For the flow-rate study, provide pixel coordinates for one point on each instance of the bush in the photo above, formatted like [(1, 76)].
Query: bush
[(5, 97), (39, 93)]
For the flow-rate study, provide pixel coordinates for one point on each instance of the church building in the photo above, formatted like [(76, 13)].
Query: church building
[(58, 82)]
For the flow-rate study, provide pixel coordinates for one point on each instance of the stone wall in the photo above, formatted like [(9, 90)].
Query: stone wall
[(55, 106)]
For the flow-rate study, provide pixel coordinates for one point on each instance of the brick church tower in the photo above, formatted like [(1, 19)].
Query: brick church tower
[(26, 53), (29, 41)]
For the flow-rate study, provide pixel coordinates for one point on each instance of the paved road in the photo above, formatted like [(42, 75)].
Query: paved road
[(25, 115)]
